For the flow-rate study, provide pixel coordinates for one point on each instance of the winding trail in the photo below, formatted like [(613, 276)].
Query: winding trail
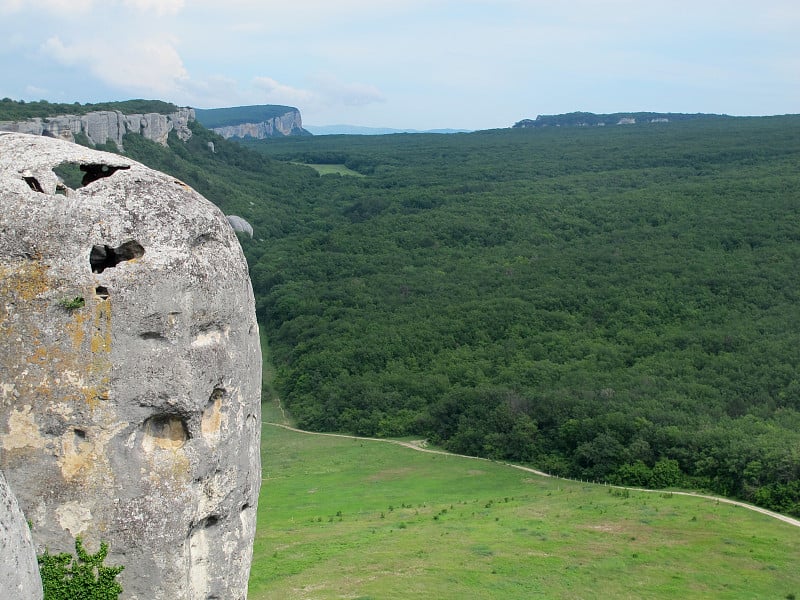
[(419, 445)]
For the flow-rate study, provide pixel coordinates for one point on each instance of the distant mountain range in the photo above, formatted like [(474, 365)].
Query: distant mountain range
[(587, 119)]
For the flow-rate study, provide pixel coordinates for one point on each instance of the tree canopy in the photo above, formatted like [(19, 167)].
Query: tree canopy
[(613, 303)]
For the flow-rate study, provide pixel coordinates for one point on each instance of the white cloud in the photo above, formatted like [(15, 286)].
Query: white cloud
[(160, 7), (75, 7), (348, 94), (325, 90), (151, 67), (59, 7), (280, 93)]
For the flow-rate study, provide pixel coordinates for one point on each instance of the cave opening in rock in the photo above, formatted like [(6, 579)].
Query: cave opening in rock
[(93, 172), (75, 175), (104, 257)]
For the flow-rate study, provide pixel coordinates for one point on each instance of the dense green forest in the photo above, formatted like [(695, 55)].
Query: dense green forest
[(15, 110), (615, 303)]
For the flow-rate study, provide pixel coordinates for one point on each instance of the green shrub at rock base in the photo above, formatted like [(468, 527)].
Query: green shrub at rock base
[(66, 577)]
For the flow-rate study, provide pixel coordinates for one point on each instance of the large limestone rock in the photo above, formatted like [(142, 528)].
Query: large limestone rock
[(103, 126), (130, 373), (19, 573)]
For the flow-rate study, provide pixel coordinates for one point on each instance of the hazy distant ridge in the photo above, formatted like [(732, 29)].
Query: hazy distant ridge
[(587, 119), (361, 130)]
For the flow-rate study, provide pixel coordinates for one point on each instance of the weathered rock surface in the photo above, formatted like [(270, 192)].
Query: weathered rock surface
[(107, 125), (289, 123), (19, 573), (130, 374)]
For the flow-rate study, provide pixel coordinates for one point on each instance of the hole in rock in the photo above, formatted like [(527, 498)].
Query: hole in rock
[(93, 172), (104, 257), (34, 184), (69, 175), (167, 432), (209, 521), (152, 335), (79, 435), (101, 292)]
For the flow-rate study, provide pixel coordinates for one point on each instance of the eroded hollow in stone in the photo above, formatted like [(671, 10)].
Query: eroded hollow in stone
[(102, 292), (34, 184), (76, 175), (79, 436), (93, 172), (166, 432), (69, 174), (104, 257), (211, 421)]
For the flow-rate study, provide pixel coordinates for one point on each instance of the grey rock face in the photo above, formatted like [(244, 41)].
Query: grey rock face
[(130, 375), (19, 573), (289, 123), (240, 224), (107, 125)]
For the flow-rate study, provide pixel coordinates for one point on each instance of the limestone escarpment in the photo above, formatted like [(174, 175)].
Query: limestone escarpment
[(101, 127), (130, 377), (257, 122), (288, 124)]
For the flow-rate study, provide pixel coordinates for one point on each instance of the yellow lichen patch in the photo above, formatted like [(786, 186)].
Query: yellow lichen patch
[(25, 281), (39, 356), (77, 328), (94, 394), (101, 337), (23, 432)]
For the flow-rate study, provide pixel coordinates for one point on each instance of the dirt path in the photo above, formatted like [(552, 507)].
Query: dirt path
[(420, 446)]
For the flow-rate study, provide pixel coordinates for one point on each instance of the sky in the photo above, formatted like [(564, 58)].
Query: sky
[(421, 64)]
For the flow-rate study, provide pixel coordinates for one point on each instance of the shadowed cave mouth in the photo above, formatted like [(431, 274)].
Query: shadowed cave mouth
[(76, 175), (104, 257)]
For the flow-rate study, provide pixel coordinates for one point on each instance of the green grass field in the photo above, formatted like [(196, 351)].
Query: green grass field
[(344, 518), (332, 170)]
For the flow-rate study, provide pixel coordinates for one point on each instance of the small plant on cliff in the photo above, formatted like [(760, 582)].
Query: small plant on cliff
[(72, 303), (66, 577)]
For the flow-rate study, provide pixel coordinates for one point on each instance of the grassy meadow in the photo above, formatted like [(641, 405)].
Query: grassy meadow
[(346, 518), (332, 169)]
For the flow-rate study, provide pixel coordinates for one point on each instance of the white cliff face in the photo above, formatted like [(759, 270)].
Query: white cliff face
[(289, 123), (107, 125), (131, 371)]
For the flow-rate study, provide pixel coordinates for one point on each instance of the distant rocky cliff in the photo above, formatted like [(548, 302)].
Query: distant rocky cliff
[(257, 122), (108, 125), (587, 119)]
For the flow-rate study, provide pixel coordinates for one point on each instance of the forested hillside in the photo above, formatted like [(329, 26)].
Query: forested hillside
[(16, 110), (617, 303)]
